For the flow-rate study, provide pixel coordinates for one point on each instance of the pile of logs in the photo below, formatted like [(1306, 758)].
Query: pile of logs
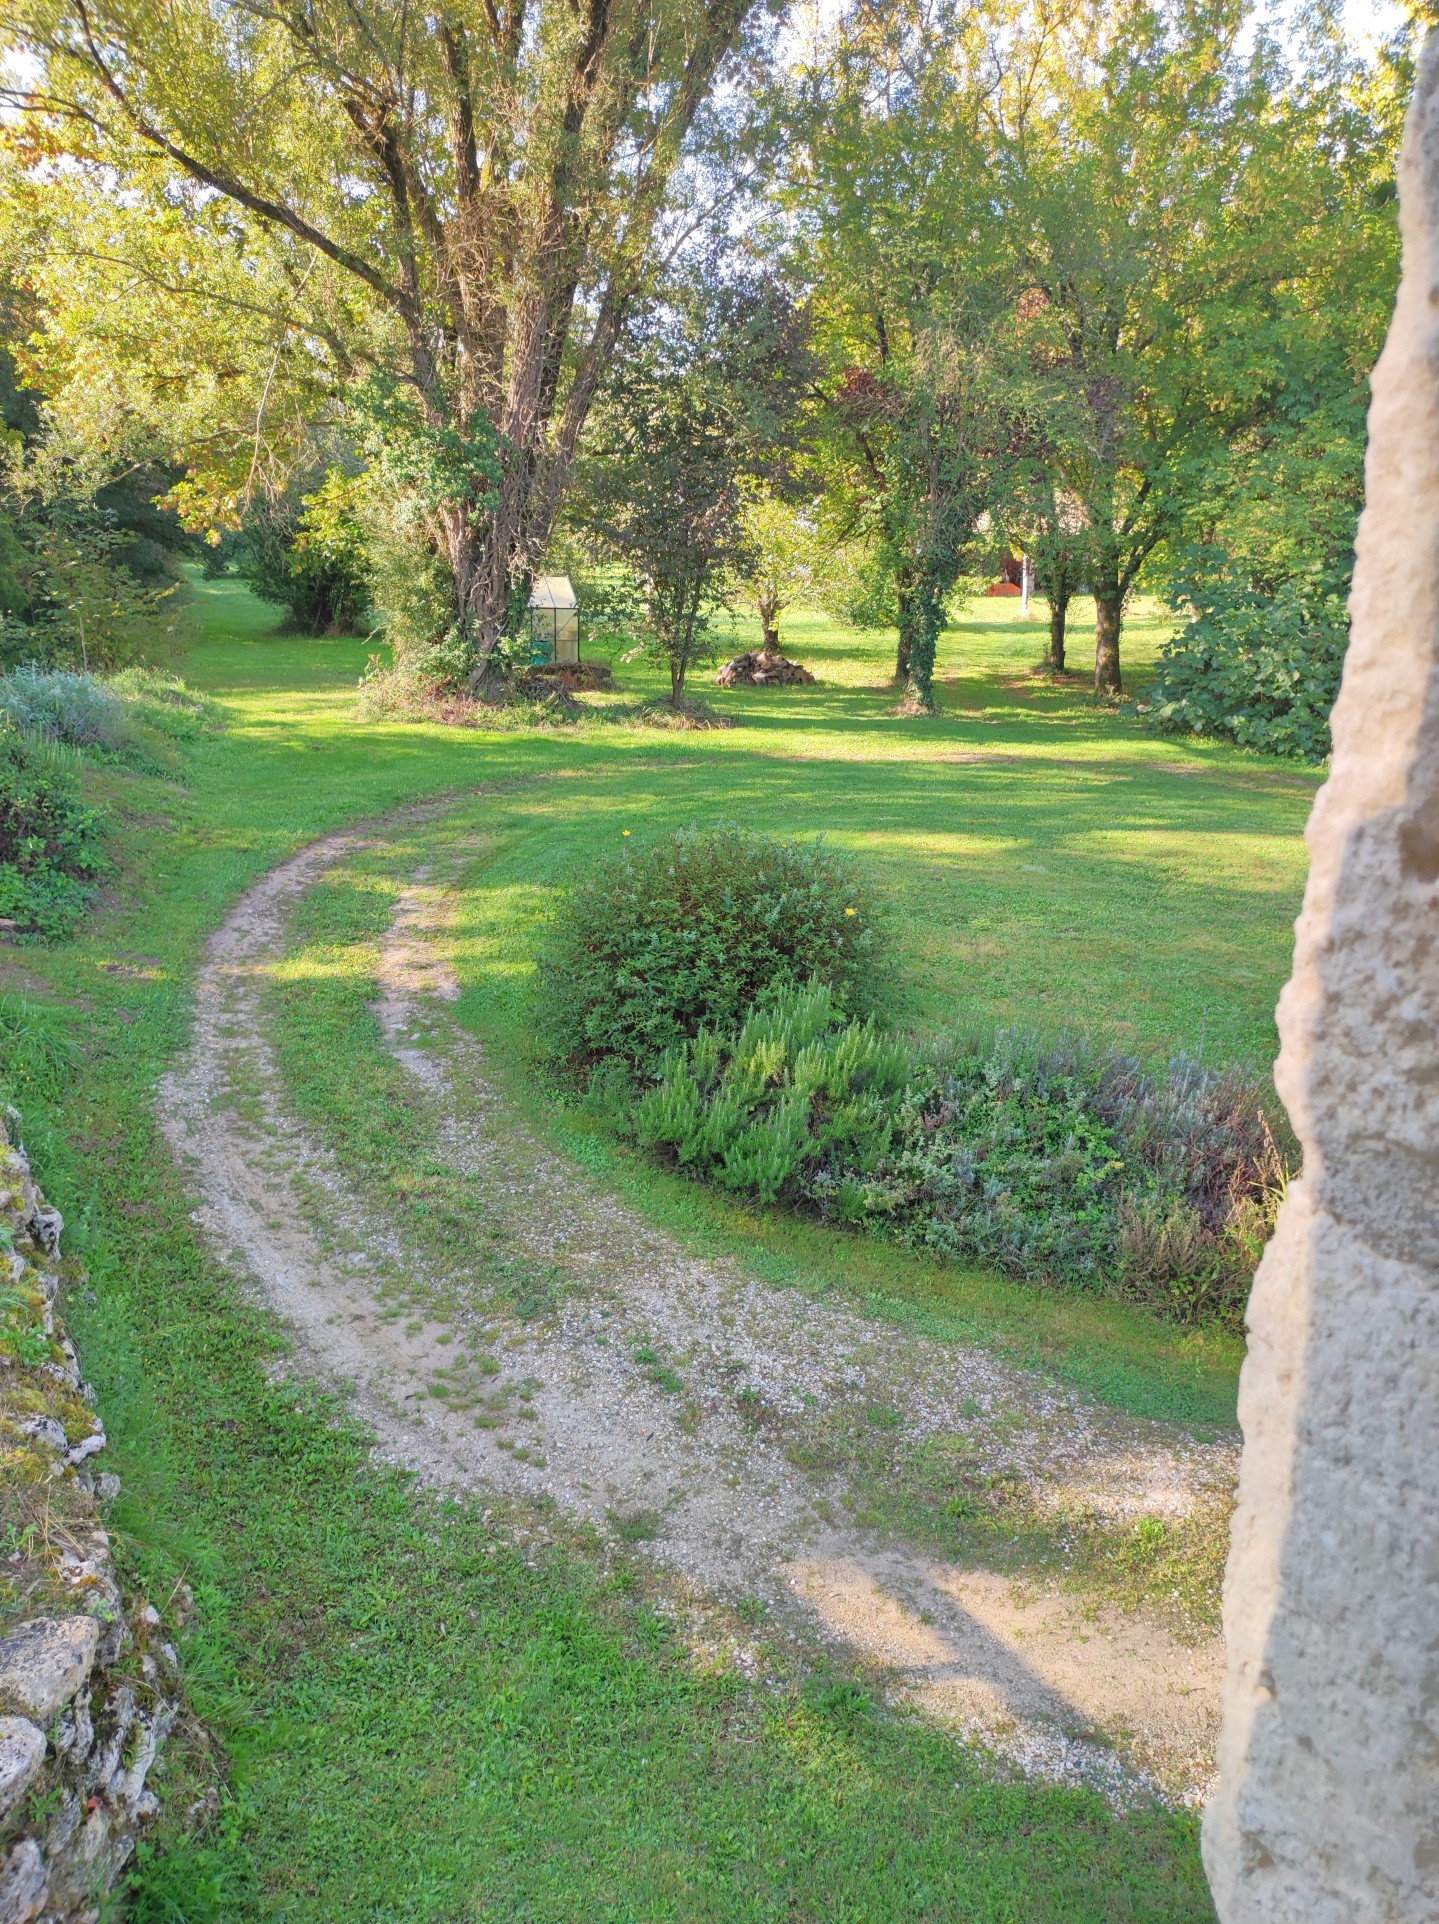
[(761, 670)]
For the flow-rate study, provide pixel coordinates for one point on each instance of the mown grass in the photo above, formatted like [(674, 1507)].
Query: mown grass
[(422, 1717)]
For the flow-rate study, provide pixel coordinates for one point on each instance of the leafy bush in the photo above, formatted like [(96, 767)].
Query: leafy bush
[(1057, 1164), (65, 707), (129, 716), (693, 932), (49, 837), (1260, 668), (308, 555)]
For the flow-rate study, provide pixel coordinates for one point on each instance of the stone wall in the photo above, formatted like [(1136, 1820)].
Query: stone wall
[(88, 1686), (1328, 1804)]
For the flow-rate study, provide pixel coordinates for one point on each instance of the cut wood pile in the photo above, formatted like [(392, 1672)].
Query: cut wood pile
[(571, 675), (759, 670)]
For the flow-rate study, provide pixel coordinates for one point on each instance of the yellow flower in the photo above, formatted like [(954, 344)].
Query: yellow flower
[(626, 831), (849, 911)]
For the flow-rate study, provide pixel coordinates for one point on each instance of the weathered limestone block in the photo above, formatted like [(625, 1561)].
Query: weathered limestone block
[(1327, 1810), (23, 1884), (22, 1752), (43, 1664), (95, 1686)]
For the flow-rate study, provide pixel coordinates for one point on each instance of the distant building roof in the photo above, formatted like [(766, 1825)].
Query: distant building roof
[(552, 591)]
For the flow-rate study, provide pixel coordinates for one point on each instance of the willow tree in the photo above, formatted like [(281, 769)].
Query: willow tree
[(446, 210)]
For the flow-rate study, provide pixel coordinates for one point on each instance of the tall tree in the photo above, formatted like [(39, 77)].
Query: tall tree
[(1174, 210), (900, 233), (463, 202), (701, 409)]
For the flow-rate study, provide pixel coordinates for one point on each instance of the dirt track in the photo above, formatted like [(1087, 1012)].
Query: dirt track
[(661, 1449)]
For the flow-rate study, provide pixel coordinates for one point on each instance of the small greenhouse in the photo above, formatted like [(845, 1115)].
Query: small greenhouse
[(554, 621)]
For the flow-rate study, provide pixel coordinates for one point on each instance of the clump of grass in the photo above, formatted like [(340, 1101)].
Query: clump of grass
[(682, 716)]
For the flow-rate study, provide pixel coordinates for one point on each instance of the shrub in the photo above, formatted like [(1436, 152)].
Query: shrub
[(65, 707), (49, 838), (1057, 1164), (308, 555), (130, 716), (692, 932), (797, 1087), (1261, 669)]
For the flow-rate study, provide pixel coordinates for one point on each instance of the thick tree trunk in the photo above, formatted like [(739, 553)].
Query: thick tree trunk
[(1058, 615), (901, 655), (1108, 615), (921, 617)]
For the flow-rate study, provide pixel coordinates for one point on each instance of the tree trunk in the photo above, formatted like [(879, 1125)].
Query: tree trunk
[(1058, 614), (677, 681), (769, 625), (901, 655), (921, 618), (1108, 615)]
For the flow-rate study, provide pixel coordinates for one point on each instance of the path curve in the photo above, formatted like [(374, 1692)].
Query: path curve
[(1067, 1691)]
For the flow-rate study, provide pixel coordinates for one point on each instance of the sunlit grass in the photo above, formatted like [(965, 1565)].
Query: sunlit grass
[(1048, 864)]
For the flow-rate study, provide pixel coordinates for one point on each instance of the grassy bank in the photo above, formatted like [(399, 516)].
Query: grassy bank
[(429, 1715)]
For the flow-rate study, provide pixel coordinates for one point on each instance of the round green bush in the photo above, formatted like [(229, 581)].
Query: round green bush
[(693, 930)]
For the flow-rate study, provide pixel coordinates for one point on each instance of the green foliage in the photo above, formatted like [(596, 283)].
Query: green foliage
[(132, 717), (692, 931), (433, 468), (14, 596), (1056, 1164), (72, 600), (797, 1082), (1261, 669), (49, 837), (308, 555)]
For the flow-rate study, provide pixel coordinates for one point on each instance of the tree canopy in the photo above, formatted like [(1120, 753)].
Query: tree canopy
[(463, 202), (1096, 282)]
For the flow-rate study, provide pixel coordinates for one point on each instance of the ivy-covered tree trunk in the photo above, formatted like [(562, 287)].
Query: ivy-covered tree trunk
[(921, 617)]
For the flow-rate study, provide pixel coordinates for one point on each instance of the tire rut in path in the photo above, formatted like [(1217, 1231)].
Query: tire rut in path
[(1048, 1682)]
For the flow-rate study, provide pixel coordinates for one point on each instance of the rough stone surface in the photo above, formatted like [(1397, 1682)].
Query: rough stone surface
[(22, 1752), (23, 1884), (96, 1681), (1328, 1805), (43, 1664)]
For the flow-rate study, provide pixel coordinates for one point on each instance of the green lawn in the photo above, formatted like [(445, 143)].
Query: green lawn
[(421, 1717)]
